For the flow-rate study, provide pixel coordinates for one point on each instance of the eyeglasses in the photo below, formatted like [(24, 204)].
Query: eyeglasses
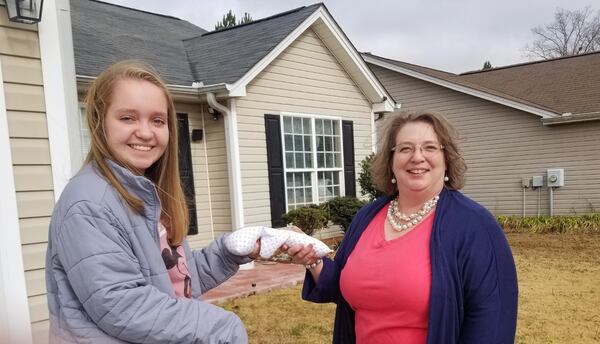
[(426, 149)]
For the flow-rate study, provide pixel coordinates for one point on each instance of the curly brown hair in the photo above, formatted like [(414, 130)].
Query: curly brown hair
[(381, 170)]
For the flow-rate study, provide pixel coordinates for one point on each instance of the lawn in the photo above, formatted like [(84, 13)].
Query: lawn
[(559, 285)]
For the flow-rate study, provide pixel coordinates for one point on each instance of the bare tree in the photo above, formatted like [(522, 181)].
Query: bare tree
[(571, 33)]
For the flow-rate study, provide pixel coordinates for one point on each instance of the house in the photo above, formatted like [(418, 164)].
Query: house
[(36, 89), (280, 112), (285, 105), (520, 125)]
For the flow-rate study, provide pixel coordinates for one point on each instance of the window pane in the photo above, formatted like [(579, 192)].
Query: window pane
[(320, 160), (289, 145), (335, 126), (299, 160), (338, 160), (308, 195), (319, 143), (307, 144), (328, 144), (328, 160), (289, 177), (290, 198), (336, 178), (319, 126), (297, 125), (327, 128), (306, 125), (308, 160), (300, 196), (336, 191), (289, 160), (298, 143), (287, 124)]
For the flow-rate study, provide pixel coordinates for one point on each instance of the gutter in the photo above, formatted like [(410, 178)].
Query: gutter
[(572, 118), (233, 157)]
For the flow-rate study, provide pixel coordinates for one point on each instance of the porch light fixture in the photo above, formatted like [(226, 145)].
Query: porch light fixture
[(215, 114), (24, 11)]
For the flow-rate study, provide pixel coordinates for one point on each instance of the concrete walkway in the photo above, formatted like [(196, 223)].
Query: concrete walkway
[(264, 277)]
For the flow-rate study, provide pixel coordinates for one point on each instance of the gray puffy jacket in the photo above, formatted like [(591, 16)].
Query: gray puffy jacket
[(107, 282)]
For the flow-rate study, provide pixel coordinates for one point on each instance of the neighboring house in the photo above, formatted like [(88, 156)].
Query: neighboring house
[(516, 122), (279, 111), (37, 88)]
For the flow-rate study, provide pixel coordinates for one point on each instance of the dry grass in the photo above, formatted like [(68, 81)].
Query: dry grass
[(559, 281)]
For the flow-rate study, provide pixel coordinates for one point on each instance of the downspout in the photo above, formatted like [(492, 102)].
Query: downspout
[(233, 157)]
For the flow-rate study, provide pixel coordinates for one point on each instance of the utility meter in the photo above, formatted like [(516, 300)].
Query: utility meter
[(556, 177)]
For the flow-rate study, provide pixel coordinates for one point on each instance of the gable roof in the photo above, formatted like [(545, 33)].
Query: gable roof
[(192, 60), (224, 56), (105, 33), (558, 90), (566, 85), (453, 81)]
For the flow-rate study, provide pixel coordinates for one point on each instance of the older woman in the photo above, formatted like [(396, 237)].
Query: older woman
[(424, 264)]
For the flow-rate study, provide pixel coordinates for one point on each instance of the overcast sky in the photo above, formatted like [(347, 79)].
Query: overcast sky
[(450, 35)]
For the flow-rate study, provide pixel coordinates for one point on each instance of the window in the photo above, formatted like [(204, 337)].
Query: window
[(313, 159)]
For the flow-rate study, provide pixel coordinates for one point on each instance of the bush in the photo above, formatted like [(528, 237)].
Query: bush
[(307, 218), (364, 179), (342, 210), (551, 224)]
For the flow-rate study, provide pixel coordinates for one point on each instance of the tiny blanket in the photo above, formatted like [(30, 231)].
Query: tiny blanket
[(242, 241)]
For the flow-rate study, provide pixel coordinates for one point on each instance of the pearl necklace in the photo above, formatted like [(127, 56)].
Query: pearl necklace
[(394, 216)]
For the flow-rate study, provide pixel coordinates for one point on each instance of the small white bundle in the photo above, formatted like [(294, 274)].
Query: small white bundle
[(242, 241)]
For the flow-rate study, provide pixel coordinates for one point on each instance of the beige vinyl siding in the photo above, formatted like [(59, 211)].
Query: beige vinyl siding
[(210, 150), (501, 145), (306, 78), (27, 125)]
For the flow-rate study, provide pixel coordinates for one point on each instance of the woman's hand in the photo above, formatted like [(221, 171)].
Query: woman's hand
[(256, 252)]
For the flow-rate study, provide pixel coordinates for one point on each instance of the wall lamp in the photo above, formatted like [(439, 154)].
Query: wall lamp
[(215, 114), (24, 11)]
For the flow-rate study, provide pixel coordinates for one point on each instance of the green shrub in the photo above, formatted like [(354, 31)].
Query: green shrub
[(307, 218), (341, 210), (589, 223), (364, 179)]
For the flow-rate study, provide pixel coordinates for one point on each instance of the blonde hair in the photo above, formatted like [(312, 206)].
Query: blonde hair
[(381, 170), (164, 172)]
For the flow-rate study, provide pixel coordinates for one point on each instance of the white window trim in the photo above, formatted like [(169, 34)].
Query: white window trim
[(314, 177), (15, 326)]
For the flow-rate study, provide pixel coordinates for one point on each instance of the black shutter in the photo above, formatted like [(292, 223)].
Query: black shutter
[(349, 169), (186, 172), (276, 173)]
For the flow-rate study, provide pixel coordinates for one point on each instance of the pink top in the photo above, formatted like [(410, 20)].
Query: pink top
[(174, 258), (387, 283)]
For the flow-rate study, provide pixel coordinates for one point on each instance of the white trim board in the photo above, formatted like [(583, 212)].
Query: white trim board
[(463, 89), (60, 92), (377, 95), (15, 324)]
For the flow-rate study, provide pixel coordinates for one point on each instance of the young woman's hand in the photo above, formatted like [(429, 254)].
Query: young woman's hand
[(256, 252)]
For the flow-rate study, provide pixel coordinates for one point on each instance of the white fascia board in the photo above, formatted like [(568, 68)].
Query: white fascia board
[(15, 326), (60, 92), (357, 60), (383, 107), (262, 64), (463, 89), (239, 87)]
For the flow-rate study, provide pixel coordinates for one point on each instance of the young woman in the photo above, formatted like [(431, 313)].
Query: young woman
[(118, 268)]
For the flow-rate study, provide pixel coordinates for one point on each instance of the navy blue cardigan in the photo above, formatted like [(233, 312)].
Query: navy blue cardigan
[(474, 291)]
